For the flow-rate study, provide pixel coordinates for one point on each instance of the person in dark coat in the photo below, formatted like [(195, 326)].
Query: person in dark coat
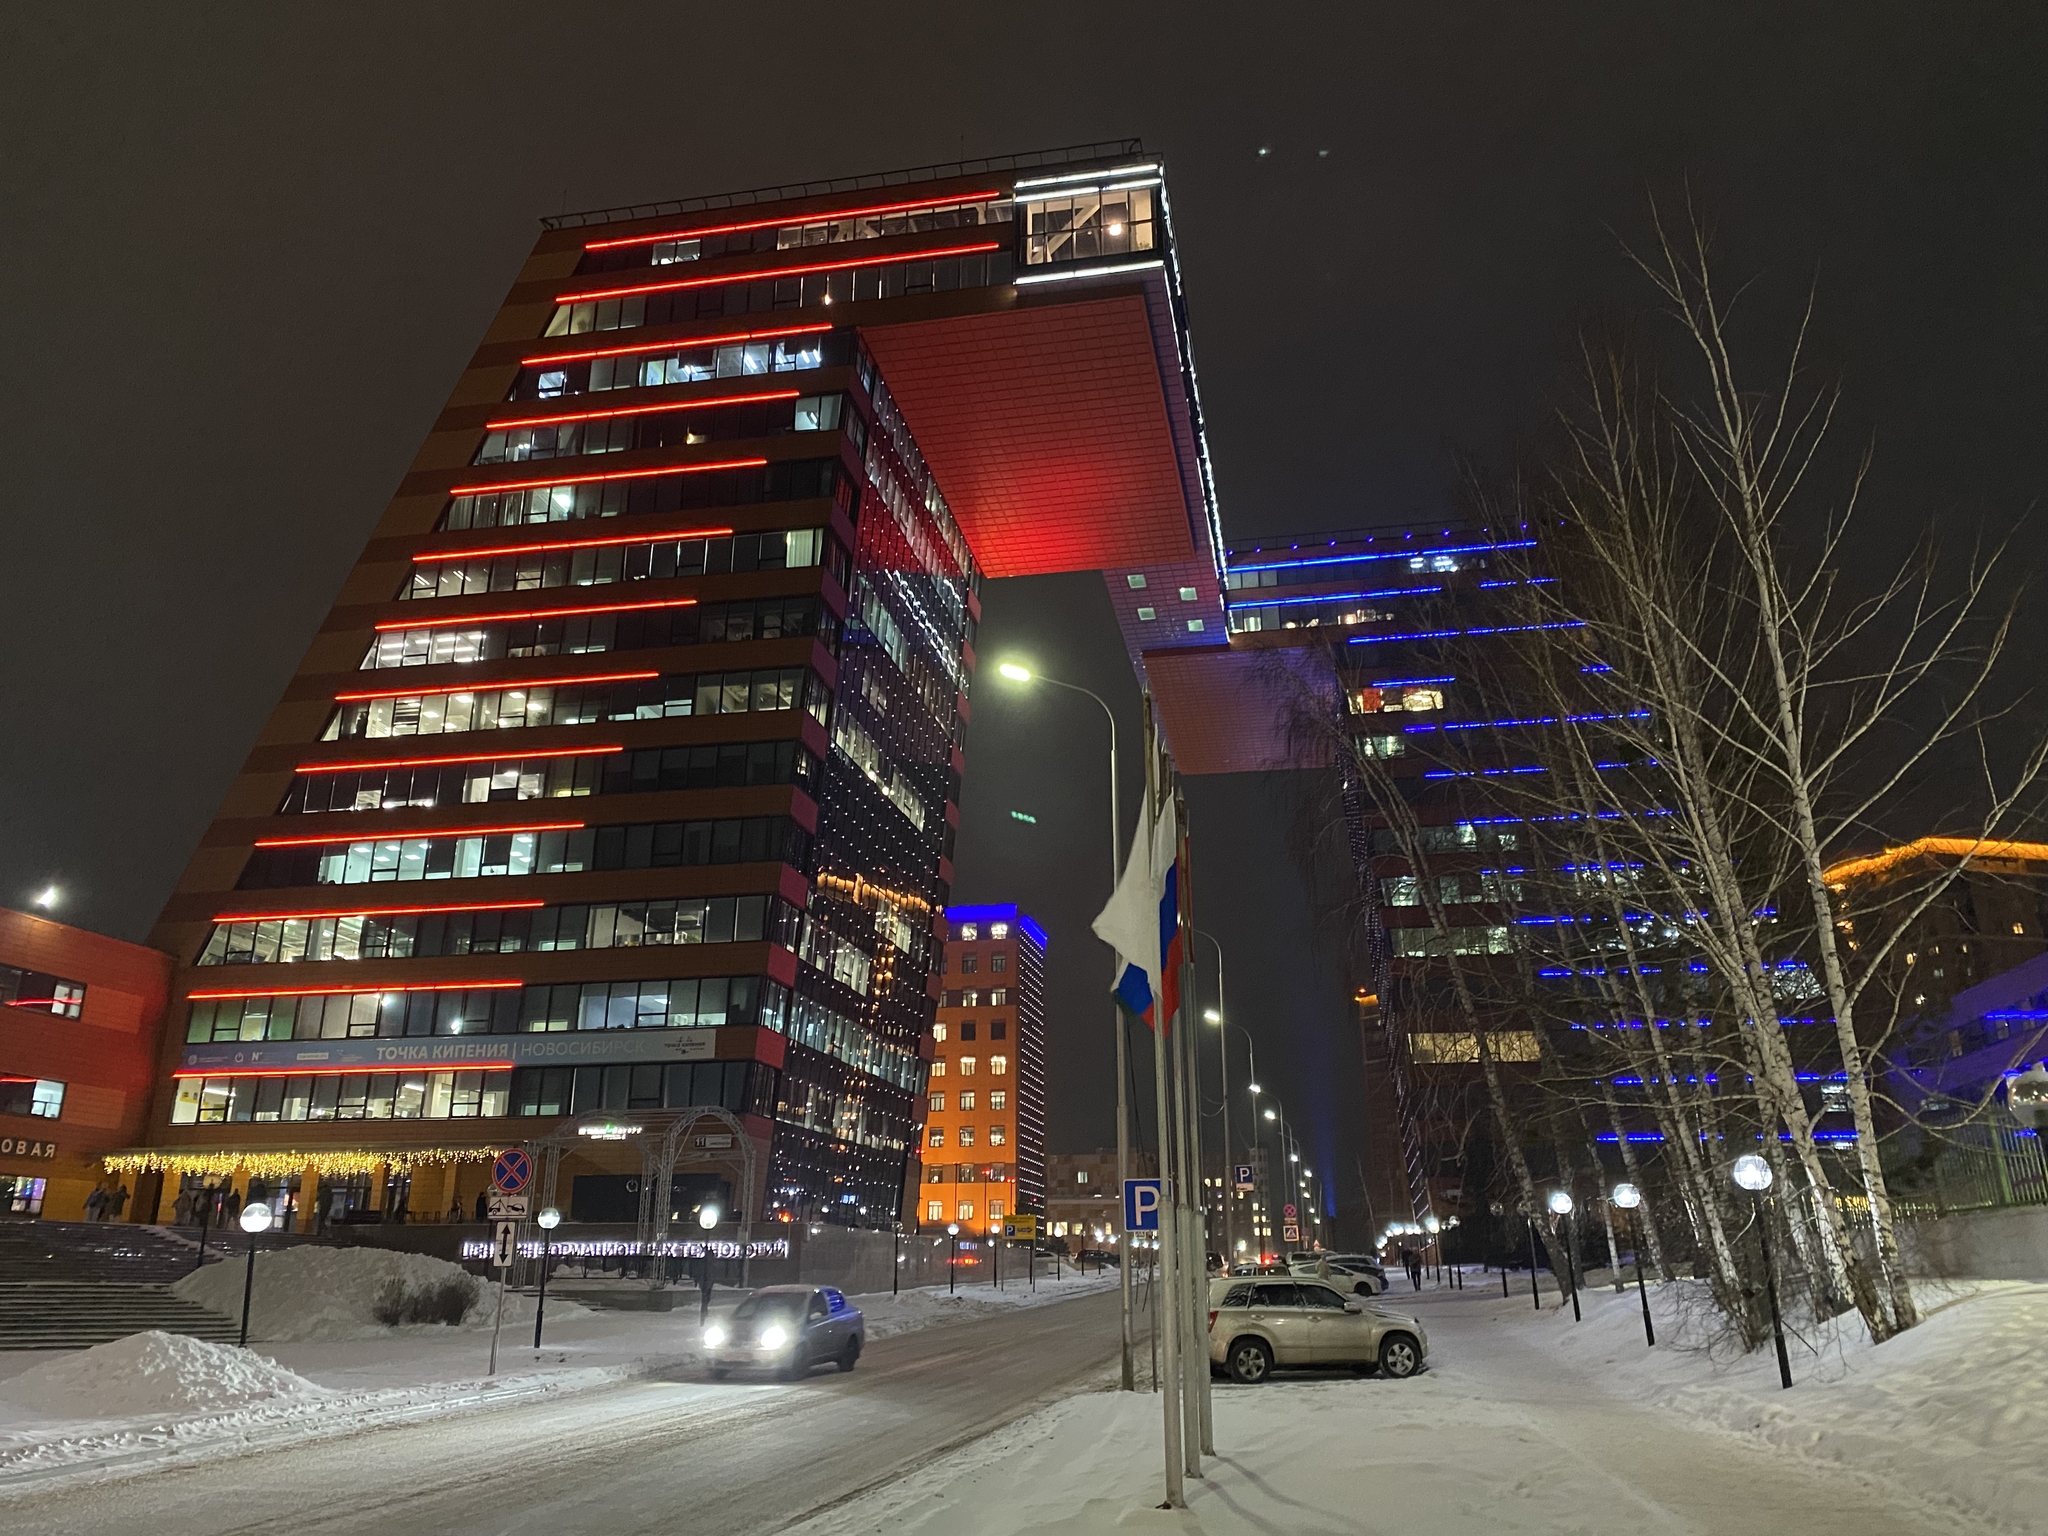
[(483, 1206)]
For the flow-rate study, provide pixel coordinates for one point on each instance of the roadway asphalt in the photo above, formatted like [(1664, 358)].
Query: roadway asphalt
[(657, 1455)]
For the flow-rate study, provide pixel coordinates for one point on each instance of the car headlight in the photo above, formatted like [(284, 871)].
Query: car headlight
[(773, 1338), (713, 1336)]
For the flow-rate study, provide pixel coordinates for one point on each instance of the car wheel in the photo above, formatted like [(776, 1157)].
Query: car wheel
[(797, 1365), (1400, 1356), (719, 1373), (1251, 1362), (849, 1356)]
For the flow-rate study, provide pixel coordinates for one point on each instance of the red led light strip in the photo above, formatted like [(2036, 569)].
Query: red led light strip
[(395, 837), (768, 272), (512, 684), (313, 1071), (540, 613), (801, 218), (434, 986), (529, 549), (467, 757), (619, 474), (640, 410), (292, 917), (673, 344)]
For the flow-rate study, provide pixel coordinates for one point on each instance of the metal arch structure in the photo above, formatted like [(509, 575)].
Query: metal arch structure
[(663, 1140)]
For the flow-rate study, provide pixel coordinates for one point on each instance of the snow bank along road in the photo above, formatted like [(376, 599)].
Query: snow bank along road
[(657, 1455)]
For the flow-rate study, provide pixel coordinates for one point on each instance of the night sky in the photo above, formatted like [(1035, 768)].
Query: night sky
[(248, 250)]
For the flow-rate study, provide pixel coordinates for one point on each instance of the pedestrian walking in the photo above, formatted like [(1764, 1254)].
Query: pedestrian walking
[(96, 1203), (230, 1206), (117, 1202), (181, 1209), (483, 1206), (455, 1207)]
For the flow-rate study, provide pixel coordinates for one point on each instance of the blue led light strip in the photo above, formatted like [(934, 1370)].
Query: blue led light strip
[(1324, 597), (1454, 634), (1394, 554)]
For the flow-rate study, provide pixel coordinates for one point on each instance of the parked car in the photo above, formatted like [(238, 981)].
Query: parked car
[(787, 1329), (1348, 1271), (1258, 1267), (1259, 1326)]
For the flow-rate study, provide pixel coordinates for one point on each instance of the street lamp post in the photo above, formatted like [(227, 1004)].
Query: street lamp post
[(547, 1221), (255, 1217), (1221, 1019), (707, 1219), (953, 1254), (1561, 1204), (1754, 1174), (1535, 1296), (1019, 674), (1630, 1199)]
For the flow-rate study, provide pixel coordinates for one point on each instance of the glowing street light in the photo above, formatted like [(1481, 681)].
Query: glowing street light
[(1015, 673), (255, 1218), (548, 1219), (48, 898), (708, 1217), (1752, 1173), (1561, 1206), (1629, 1198), (953, 1236), (1211, 1016)]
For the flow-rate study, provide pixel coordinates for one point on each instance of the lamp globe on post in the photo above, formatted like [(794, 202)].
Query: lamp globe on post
[(1629, 1199), (953, 1254), (547, 1220), (255, 1218), (1752, 1173), (1561, 1206)]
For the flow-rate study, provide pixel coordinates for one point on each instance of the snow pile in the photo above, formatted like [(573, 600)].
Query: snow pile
[(151, 1373), (309, 1292), (929, 1307)]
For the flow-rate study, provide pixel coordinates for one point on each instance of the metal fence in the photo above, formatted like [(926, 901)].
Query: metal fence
[(1988, 1164)]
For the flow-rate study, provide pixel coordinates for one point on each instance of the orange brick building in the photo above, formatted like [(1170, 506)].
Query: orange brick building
[(983, 1146), (79, 1033)]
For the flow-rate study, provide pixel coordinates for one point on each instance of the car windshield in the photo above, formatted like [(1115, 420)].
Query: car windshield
[(780, 1304)]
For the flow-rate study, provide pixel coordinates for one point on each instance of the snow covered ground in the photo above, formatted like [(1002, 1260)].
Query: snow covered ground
[(1529, 1422), (322, 1365)]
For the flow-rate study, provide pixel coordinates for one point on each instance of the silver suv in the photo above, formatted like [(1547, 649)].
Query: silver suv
[(1258, 1326)]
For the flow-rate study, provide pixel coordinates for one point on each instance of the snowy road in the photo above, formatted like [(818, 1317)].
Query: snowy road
[(649, 1456)]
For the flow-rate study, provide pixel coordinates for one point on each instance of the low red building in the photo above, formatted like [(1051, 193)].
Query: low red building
[(79, 1035)]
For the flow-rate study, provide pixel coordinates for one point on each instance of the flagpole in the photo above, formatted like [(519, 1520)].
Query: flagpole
[(1191, 1079), (1170, 1383)]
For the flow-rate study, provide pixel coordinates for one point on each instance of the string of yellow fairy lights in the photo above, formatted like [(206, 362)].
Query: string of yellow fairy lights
[(326, 1162)]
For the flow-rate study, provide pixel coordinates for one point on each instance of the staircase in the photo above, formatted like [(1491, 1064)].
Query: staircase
[(69, 1285)]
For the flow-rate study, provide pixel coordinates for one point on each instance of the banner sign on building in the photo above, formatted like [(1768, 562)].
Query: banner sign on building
[(443, 1053)]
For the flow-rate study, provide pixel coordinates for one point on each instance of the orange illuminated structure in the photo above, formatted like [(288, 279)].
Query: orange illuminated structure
[(983, 1145)]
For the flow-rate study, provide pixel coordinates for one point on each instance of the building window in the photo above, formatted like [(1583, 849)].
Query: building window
[(1196, 626), (969, 998), (967, 1066), (1187, 594), (964, 1211), (969, 964), (999, 1100), (997, 1135), (39, 1097), (998, 1066), (938, 1068), (999, 962), (995, 1210), (934, 1210), (998, 997), (1080, 1175), (938, 1136), (998, 1028), (939, 1031), (967, 1029), (1113, 222), (1147, 615), (1135, 581), (999, 930), (966, 1135), (21, 1195), (936, 1174), (967, 1099), (40, 992), (938, 1103), (970, 931)]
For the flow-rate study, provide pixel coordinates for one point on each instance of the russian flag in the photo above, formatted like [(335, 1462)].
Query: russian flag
[(1142, 921)]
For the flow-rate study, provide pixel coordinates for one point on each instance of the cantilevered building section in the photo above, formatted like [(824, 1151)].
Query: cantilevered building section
[(622, 776)]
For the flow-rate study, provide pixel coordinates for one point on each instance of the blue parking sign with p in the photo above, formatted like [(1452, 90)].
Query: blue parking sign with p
[(1141, 1205)]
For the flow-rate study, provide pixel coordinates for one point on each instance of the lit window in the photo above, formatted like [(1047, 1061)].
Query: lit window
[(966, 1099), (936, 1174), (938, 1068), (999, 931), (1080, 1175), (40, 1098), (938, 1136), (938, 1031), (1136, 581), (1147, 615), (995, 1210), (964, 1211), (967, 1066), (999, 1100), (998, 1066), (970, 930), (2019, 927), (938, 1103), (996, 1135), (966, 1135), (934, 1210), (998, 997), (1196, 626), (1187, 594)]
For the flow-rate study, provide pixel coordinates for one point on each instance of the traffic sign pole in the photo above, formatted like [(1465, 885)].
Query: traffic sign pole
[(501, 1261)]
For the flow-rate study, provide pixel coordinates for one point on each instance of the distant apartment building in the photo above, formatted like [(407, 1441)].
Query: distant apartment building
[(983, 1143), (78, 1044), (1083, 1200)]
